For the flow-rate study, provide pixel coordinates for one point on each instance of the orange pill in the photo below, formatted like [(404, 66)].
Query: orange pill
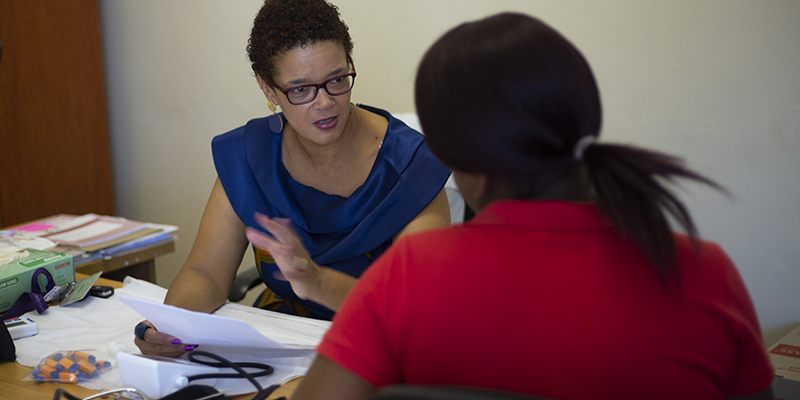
[(86, 367), (51, 362), (46, 370), (79, 355), (68, 365), (67, 377), (102, 365)]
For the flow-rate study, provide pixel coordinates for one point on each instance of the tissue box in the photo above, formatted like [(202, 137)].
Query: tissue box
[(15, 277), (785, 357)]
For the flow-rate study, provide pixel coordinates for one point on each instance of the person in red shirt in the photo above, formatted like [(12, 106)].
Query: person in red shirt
[(569, 283)]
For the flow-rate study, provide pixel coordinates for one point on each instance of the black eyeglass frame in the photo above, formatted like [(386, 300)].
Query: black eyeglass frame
[(318, 86)]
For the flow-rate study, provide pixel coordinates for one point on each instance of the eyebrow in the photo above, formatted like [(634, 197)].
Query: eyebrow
[(303, 81)]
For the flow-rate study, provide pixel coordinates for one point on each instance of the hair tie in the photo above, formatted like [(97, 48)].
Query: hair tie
[(582, 145)]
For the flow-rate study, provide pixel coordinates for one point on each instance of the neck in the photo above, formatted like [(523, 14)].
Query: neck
[(330, 156), (571, 186)]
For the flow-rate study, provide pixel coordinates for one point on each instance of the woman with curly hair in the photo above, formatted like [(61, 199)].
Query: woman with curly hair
[(568, 283), (320, 189)]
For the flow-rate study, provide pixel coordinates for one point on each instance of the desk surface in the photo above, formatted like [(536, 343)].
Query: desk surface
[(13, 387)]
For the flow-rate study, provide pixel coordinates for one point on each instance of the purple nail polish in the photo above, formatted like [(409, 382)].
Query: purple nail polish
[(176, 341), (189, 347)]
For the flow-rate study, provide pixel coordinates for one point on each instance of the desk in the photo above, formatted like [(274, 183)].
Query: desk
[(13, 387), (140, 263)]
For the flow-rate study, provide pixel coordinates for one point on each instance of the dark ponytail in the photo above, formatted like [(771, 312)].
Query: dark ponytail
[(628, 189)]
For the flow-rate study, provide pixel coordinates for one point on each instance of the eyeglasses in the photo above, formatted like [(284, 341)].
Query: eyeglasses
[(338, 85)]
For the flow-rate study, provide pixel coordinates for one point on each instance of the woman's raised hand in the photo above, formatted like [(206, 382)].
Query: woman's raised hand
[(289, 254)]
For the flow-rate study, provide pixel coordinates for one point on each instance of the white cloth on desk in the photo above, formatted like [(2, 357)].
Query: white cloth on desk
[(106, 326)]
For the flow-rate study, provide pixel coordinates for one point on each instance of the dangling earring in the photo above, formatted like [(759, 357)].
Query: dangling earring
[(275, 121)]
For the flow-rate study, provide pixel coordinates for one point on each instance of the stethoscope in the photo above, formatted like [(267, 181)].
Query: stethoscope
[(193, 356)]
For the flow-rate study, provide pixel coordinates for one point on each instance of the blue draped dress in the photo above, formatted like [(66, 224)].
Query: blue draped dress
[(345, 234)]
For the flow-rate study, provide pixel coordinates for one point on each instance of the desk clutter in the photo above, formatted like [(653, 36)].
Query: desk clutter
[(37, 256), (106, 326), (84, 237), (26, 280)]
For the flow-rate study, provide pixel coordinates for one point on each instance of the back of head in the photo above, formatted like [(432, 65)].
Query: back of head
[(510, 98), (282, 25), (506, 95)]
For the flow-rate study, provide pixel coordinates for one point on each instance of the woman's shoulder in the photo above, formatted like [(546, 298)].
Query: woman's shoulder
[(239, 132), (705, 266), (234, 151), (402, 144), (698, 250), (401, 123), (234, 140)]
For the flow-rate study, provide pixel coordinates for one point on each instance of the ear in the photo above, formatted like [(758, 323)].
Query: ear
[(474, 188), (482, 190), (267, 89)]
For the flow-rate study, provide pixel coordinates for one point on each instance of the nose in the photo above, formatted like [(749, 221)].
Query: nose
[(323, 98)]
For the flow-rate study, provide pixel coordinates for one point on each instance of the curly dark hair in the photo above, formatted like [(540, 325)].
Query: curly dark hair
[(282, 25)]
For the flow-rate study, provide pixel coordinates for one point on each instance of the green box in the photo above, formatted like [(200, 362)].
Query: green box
[(15, 277)]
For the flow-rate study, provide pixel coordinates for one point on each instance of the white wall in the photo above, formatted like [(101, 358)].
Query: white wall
[(717, 82)]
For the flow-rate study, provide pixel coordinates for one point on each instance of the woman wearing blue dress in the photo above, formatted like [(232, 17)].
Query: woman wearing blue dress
[(320, 189)]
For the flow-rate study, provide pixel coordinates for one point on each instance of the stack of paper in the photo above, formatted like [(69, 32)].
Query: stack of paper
[(91, 236)]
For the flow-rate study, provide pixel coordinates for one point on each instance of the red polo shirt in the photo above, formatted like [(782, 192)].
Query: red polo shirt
[(545, 298)]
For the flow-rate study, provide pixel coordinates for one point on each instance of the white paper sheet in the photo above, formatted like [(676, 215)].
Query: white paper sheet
[(193, 327)]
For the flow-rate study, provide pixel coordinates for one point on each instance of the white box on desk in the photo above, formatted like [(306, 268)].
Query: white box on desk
[(785, 357), (15, 277)]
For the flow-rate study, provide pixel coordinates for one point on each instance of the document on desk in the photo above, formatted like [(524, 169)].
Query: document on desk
[(200, 328)]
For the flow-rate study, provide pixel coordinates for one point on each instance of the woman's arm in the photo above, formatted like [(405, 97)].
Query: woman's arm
[(205, 280), (207, 276), (321, 284), (435, 215), (330, 381)]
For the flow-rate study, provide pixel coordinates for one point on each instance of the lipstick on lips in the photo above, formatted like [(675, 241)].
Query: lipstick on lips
[(327, 123)]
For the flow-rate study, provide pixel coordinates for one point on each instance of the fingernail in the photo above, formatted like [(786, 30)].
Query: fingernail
[(176, 341), (189, 347)]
